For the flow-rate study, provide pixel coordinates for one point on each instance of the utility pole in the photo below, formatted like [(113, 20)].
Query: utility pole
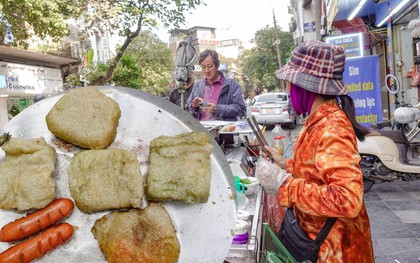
[(277, 43)]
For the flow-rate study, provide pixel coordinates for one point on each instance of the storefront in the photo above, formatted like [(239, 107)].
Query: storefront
[(389, 31), (406, 50), (25, 74)]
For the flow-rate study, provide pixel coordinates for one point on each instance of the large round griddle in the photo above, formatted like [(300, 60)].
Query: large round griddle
[(204, 230)]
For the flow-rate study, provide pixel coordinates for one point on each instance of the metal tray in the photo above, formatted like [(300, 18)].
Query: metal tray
[(204, 230)]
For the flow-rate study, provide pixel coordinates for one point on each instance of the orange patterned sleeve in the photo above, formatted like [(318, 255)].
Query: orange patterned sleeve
[(327, 176), (289, 165)]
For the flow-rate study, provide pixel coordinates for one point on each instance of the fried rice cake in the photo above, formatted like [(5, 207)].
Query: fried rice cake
[(26, 174), (105, 179), (137, 236), (180, 168), (85, 117)]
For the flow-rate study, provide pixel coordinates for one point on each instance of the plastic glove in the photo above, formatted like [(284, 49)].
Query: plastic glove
[(270, 176)]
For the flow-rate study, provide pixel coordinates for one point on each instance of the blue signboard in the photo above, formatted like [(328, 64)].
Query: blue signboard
[(361, 76), (309, 27)]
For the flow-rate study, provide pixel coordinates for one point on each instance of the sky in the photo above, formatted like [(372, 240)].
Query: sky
[(243, 18)]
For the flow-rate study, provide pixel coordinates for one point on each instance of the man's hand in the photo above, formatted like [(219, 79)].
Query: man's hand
[(209, 108), (196, 102)]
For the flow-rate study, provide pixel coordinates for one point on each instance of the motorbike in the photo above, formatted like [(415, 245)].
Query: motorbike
[(389, 155)]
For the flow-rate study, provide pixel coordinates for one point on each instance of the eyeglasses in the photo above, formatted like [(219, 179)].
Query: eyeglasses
[(208, 67)]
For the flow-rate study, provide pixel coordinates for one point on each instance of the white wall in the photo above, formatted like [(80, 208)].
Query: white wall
[(308, 17)]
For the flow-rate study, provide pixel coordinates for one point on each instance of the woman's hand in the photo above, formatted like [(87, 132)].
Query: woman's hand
[(277, 157), (270, 176)]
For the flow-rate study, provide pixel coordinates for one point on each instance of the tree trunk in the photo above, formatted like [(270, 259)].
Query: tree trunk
[(102, 80)]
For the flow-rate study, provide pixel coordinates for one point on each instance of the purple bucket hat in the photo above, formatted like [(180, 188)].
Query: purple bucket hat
[(317, 67)]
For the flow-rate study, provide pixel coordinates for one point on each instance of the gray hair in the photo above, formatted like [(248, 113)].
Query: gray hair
[(210, 53)]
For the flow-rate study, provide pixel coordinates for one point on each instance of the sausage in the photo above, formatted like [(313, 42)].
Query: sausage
[(39, 245), (37, 220)]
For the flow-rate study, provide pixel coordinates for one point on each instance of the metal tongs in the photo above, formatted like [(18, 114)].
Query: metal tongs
[(260, 136)]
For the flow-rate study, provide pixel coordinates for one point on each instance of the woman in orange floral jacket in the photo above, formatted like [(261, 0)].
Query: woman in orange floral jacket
[(324, 178)]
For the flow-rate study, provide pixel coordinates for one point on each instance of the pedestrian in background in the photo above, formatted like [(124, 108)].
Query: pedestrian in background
[(216, 97), (175, 96), (324, 178)]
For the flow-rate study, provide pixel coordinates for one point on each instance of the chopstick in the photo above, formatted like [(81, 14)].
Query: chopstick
[(260, 137), (263, 129), (257, 127)]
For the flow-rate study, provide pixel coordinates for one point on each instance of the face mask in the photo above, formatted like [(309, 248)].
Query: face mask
[(301, 99), (290, 109)]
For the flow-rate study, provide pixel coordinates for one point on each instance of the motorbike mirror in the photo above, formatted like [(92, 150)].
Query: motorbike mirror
[(417, 105)]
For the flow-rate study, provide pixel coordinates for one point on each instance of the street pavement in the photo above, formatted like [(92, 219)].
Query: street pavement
[(394, 213)]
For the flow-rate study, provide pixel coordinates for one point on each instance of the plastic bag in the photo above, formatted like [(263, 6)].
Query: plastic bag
[(185, 59), (273, 213)]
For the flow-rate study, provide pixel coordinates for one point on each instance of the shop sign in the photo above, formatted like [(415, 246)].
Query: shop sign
[(352, 44), (361, 76), (24, 80), (336, 32), (309, 27)]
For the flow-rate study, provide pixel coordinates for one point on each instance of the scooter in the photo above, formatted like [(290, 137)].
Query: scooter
[(389, 155)]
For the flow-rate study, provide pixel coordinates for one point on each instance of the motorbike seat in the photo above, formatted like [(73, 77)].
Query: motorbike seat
[(380, 125), (401, 141)]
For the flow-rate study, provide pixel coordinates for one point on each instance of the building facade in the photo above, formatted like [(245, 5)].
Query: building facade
[(25, 74), (389, 30)]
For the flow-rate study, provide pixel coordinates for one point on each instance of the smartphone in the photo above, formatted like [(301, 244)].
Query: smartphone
[(202, 104)]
